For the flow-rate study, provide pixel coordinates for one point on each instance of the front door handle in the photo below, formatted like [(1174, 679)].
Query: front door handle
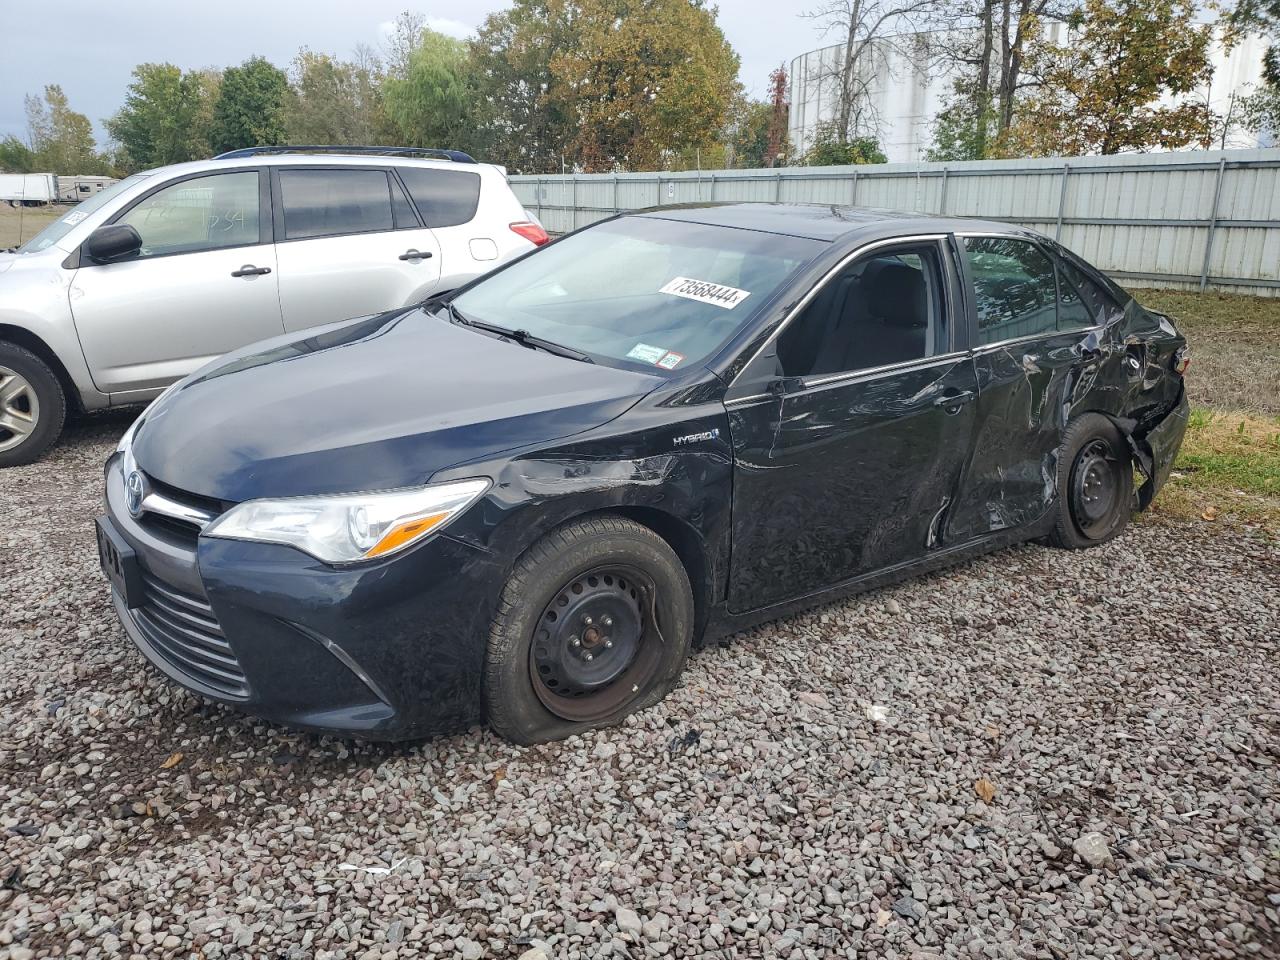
[(953, 401), (414, 255), (249, 270)]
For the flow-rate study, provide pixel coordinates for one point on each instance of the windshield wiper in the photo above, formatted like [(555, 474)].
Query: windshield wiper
[(522, 337)]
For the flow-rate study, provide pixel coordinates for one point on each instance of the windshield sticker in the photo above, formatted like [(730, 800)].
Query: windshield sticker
[(646, 354), (671, 360), (71, 219), (716, 294)]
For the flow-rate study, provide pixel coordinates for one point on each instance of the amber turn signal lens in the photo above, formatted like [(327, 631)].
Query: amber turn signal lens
[(403, 533)]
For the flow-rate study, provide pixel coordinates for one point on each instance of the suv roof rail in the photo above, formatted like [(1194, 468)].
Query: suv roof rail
[(457, 156)]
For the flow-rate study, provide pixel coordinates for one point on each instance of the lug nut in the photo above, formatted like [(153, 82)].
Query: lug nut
[(607, 621), (608, 644), (587, 657), (575, 641), (587, 620)]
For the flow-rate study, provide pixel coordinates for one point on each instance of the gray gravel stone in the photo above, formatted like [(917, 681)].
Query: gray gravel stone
[(798, 785)]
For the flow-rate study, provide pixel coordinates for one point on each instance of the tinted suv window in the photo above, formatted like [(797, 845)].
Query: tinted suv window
[(203, 213), (445, 198), (326, 203), (1015, 288), (881, 310)]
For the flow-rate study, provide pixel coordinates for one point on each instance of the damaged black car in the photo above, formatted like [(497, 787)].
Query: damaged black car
[(524, 502)]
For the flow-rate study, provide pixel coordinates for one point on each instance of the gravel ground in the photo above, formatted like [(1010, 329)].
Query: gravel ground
[(1040, 754)]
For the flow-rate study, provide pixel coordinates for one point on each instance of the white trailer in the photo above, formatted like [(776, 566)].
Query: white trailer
[(28, 189), (75, 189)]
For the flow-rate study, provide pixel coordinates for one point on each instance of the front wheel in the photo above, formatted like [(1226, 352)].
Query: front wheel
[(33, 406), (594, 624), (1095, 484)]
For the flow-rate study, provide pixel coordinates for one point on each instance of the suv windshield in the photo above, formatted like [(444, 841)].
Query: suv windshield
[(660, 294), (55, 231)]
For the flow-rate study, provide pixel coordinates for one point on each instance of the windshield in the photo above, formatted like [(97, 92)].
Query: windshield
[(658, 294), (55, 231)]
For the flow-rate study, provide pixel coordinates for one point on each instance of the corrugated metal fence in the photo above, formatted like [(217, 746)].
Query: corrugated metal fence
[(1178, 219)]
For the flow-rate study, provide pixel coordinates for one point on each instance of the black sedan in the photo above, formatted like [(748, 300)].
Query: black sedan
[(526, 501)]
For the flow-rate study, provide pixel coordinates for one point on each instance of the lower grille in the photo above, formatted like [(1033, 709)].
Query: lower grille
[(183, 630)]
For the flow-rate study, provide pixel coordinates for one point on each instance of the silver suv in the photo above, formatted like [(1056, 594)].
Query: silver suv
[(150, 279)]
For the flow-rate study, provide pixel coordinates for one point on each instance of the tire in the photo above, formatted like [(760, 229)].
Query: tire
[(33, 406), (589, 591), (1095, 484)]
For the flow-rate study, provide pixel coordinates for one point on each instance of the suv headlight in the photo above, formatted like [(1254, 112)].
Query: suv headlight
[(349, 527)]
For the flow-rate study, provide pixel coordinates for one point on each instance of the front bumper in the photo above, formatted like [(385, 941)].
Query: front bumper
[(386, 651)]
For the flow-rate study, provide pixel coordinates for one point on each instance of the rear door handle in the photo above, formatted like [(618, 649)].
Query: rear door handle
[(414, 255), (1087, 354), (249, 270), (952, 402)]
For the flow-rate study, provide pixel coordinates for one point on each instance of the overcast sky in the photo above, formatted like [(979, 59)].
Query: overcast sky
[(93, 46)]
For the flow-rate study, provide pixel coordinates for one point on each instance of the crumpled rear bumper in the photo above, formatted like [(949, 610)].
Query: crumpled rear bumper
[(1158, 446)]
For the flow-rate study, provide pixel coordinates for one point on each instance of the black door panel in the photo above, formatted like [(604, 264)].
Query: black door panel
[(842, 478), (1025, 392)]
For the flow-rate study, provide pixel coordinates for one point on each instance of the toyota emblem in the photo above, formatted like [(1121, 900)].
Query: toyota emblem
[(134, 492)]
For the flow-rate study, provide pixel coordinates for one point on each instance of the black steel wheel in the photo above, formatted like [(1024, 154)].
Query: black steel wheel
[(1095, 483), (595, 622)]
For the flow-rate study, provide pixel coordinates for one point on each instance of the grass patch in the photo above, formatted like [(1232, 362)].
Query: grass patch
[(1235, 347), (1228, 469)]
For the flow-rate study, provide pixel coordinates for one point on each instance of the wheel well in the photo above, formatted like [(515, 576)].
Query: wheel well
[(687, 546), (29, 341)]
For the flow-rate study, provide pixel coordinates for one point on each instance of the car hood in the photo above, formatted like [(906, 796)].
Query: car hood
[(6, 261), (374, 404)]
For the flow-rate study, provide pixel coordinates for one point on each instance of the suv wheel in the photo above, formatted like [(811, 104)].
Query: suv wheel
[(594, 624), (1095, 484), (33, 406)]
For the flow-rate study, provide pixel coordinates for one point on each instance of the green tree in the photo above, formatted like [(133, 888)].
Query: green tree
[(528, 123), (16, 156), (1101, 91), (61, 139), (250, 107), (643, 78), (966, 129), (335, 101), (165, 117), (829, 149), (435, 104), (748, 133), (1263, 15)]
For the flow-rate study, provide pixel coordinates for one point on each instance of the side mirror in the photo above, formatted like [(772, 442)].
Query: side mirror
[(115, 242)]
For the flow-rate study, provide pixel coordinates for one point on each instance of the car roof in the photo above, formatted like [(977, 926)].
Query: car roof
[(317, 159), (816, 221)]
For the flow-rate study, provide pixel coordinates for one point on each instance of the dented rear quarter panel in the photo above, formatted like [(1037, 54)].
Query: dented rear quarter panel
[(1030, 390)]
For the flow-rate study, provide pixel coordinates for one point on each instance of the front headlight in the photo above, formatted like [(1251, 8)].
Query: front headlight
[(349, 527)]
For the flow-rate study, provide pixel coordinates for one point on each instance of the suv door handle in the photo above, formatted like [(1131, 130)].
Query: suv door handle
[(953, 401), (249, 270), (414, 255)]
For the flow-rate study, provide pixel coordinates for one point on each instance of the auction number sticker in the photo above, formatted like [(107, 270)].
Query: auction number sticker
[(704, 291)]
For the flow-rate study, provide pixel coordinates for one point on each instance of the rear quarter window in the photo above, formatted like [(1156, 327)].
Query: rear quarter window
[(444, 198)]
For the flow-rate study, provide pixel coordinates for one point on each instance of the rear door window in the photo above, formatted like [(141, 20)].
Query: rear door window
[(1014, 286), (445, 198), (330, 203), (1098, 303)]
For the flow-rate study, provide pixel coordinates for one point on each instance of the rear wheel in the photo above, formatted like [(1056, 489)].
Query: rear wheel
[(1095, 483), (594, 623), (33, 406)]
